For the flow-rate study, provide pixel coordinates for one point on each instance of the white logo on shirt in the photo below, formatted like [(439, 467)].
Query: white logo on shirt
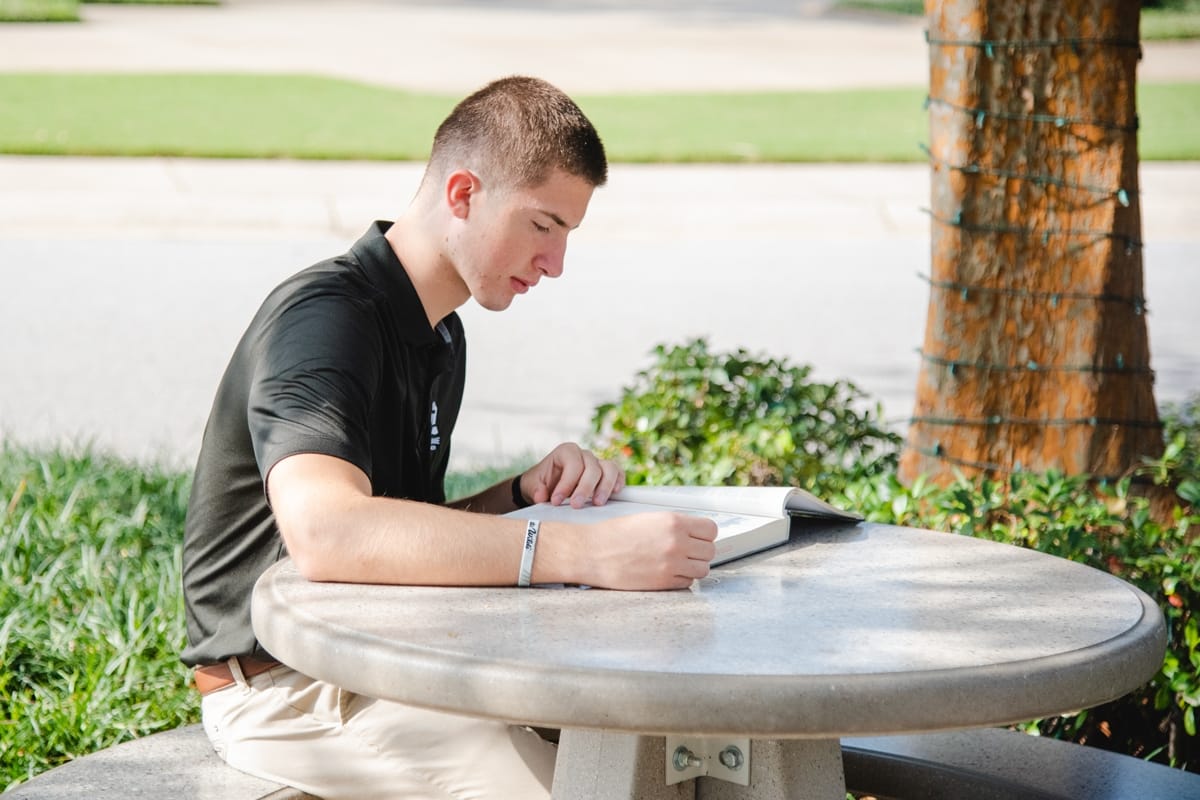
[(435, 438)]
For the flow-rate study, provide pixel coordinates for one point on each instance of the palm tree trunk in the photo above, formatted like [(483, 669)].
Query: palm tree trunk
[(1036, 353)]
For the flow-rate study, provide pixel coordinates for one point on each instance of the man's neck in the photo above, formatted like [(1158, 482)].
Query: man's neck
[(432, 274)]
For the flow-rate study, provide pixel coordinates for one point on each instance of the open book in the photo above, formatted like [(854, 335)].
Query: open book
[(749, 518)]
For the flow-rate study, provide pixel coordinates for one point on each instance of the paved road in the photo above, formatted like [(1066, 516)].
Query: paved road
[(457, 45), (124, 283)]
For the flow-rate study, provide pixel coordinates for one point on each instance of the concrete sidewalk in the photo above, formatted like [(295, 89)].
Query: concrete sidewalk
[(181, 198)]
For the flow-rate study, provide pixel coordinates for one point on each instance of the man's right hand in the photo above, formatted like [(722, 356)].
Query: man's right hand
[(655, 550)]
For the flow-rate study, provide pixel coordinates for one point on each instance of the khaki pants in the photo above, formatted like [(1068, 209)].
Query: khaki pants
[(286, 727)]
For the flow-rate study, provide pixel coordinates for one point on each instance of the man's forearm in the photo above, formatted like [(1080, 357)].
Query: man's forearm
[(383, 540), (335, 530)]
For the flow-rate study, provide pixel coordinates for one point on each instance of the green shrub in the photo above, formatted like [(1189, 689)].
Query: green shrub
[(1180, 464), (732, 418)]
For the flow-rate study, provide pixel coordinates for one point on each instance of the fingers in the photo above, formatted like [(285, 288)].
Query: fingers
[(701, 528), (580, 471), (700, 546), (612, 480), (597, 482), (551, 473), (570, 473), (698, 549), (655, 550)]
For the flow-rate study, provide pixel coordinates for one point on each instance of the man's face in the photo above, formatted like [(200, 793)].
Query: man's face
[(515, 237)]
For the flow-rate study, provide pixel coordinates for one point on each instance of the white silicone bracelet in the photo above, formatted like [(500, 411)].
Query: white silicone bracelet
[(531, 534)]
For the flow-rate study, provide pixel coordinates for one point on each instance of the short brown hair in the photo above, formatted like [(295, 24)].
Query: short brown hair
[(517, 130)]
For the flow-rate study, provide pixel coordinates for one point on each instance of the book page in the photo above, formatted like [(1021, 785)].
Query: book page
[(727, 523), (762, 501), (804, 504)]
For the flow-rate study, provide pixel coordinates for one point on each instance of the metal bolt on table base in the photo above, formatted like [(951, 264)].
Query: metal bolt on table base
[(695, 757)]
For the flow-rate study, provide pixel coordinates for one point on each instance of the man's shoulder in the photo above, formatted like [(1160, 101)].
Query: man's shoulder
[(335, 280)]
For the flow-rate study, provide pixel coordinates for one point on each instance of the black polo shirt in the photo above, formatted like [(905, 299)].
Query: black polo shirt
[(339, 360)]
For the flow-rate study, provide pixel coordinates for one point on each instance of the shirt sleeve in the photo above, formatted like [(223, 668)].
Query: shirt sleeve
[(317, 369)]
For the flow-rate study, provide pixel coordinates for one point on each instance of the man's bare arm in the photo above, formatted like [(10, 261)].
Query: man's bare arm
[(336, 531)]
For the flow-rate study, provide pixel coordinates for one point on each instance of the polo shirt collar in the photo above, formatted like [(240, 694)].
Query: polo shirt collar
[(381, 267)]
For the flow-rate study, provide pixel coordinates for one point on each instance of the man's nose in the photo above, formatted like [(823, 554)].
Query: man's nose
[(550, 262)]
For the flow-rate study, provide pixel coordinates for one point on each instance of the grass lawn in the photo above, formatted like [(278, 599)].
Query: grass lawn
[(93, 616), (39, 10), (68, 10), (1169, 24), (288, 116)]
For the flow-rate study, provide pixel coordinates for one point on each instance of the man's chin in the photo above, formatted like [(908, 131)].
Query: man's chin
[(495, 303)]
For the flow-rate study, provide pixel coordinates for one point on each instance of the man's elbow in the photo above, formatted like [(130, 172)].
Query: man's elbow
[(316, 500), (311, 544)]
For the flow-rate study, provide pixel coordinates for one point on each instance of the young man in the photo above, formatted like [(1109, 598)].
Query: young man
[(328, 442)]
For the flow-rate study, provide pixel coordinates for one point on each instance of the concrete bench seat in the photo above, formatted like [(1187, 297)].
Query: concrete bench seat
[(982, 764), (178, 763), (999, 764)]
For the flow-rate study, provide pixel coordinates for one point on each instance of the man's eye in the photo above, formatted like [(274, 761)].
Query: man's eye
[(542, 228)]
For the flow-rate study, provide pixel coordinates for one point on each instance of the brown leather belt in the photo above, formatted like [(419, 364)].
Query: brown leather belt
[(217, 676)]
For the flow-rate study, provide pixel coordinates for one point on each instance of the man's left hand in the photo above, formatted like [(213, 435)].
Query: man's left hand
[(571, 474)]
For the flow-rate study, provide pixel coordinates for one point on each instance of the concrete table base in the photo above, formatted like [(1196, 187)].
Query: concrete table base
[(602, 765), (785, 769), (599, 765)]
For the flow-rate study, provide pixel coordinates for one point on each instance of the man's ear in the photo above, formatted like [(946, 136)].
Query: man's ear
[(461, 186)]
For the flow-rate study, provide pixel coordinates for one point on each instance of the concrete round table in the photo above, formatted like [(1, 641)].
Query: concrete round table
[(847, 630)]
